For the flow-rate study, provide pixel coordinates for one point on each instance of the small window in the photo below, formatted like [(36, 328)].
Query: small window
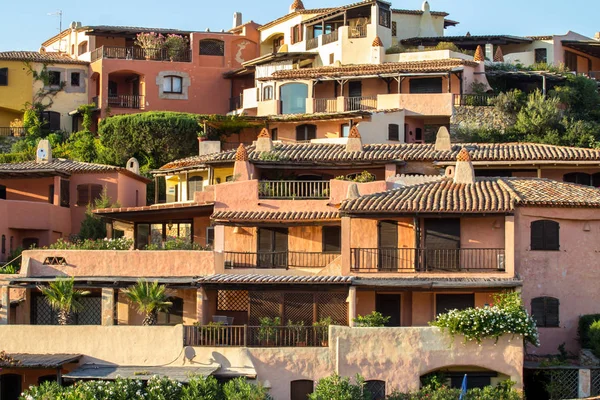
[(578, 177), (376, 388), (296, 33), (212, 47), (545, 235), (394, 132), (345, 130), (301, 389), (53, 78), (172, 84), (332, 239), (268, 93), (384, 18), (541, 55), (394, 29), (87, 194), (274, 134), (3, 244), (229, 178), (331, 58), (3, 76), (306, 132), (210, 236), (12, 244), (51, 120), (51, 194), (75, 79), (544, 311), (195, 184), (83, 47)]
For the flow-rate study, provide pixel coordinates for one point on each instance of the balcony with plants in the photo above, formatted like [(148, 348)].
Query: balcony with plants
[(150, 46)]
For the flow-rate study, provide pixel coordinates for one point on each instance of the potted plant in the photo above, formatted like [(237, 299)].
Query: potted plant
[(322, 328), (297, 330), (152, 43), (176, 46), (373, 320), (267, 333)]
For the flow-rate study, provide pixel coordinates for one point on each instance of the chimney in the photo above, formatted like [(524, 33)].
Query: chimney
[(464, 173), (264, 142), (597, 36), (353, 192), (354, 142), (442, 140), (479, 56), (296, 5), (377, 51), (44, 152), (499, 57), (242, 168), (237, 19), (133, 165)]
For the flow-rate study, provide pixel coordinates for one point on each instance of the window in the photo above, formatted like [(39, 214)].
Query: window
[(88, 193), (331, 58), (301, 389), (75, 79), (306, 132), (426, 85), (83, 47), (384, 17), (571, 61), (233, 300), (174, 314), (274, 134), (268, 93), (296, 33), (3, 244), (541, 55), (53, 78), (393, 132), (394, 29), (332, 239), (229, 178), (582, 178), (2, 192), (545, 235), (51, 194), (293, 98), (172, 84), (65, 193), (446, 302), (3, 76), (212, 47), (210, 236), (113, 89), (344, 130), (51, 120), (545, 311), (195, 184), (376, 388)]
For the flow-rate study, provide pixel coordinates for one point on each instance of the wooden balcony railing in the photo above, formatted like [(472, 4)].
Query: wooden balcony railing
[(330, 37), (356, 32), (137, 53), (312, 43), (256, 336), (126, 101), (477, 100), (293, 190), (325, 105), (12, 131), (363, 103), (426, 260), (278, 259)]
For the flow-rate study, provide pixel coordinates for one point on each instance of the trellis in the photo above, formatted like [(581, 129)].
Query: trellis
[(232, 300), (595, 382)]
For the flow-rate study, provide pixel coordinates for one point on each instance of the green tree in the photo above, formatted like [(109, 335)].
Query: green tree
[(201, 387), (336, 387), (539, 117), (92, 226), (581, 96), (62, 296), (149, 298), (240, 389)]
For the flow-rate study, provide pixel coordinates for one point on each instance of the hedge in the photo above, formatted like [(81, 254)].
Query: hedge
[(585, 321)]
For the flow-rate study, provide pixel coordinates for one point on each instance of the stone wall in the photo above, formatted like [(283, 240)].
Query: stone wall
[(588, 359), (465, 117), (6, 143)]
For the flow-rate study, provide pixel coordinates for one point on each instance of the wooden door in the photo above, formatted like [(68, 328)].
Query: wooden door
[(389, 306), (442, 243), (388, 246)]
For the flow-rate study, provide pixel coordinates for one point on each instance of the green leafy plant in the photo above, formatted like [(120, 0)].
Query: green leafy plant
[(240, 389), (177, 47), (583, 328), (267, 332), (151, 42), (363, 177), (201, 387), (375, 319), (509, 102), (62, 296), (594, 335), (163, 389), (336, 387), (89, 244), (149, 298), (540, 115), (322, 326)]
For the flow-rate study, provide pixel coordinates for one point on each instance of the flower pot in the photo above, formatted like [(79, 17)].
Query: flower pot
[(324, 343), (301, 344)]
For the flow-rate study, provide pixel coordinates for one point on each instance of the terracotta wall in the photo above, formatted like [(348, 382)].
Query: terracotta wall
[(28, 189)]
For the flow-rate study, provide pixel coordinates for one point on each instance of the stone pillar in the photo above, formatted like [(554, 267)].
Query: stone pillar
[(108, 306), (351, 305), (5, 305), (346, 245), (201, 306), (585, 383)]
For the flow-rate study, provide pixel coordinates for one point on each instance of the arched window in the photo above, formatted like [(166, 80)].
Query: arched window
[(88, 193), (212, 47), (194, 185), (173, 84), (293, 98), (376, 388), (268, 93), (578, 177), (301, 389), (306, 132), (545, 311), (545, 235)]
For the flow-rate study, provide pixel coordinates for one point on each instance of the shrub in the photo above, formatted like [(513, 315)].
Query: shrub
[(45, 391), (375, 319), (240, 389), (594, 335), (336, 387), (200, 387), (436, 390), (509, 102), (506, 316), (585, 321), (98, 244), (539, 115), (363, 177), (163, 389)]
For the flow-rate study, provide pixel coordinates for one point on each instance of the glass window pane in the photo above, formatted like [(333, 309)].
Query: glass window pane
[(167, 85), (143, 235), (185, 231), (176, 84), (156, 237)]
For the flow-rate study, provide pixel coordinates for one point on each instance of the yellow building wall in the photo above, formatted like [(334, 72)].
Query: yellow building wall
[(178, 184), (221, 174), (18, 91)]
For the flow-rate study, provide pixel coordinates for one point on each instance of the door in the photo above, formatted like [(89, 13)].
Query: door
[(354, 95), (28, 243), (10, 386), (301, 389), (442, 244), (272, 248), (388, 246), (389, 306)]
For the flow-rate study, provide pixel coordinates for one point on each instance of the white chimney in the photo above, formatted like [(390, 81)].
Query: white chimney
[(237, 19), (597, 36)]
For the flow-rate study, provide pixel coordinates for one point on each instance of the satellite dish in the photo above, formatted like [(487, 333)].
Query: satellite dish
[(189, 352)]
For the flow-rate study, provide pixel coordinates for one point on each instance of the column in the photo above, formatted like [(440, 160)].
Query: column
[(201, 306), (585, 383), (509, 245), (5, 305), (351, 304), (108, 306)]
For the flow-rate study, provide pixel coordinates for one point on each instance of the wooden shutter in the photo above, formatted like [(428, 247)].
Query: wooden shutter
[(551, 311), (538, 311), (2, 192), (311, 132), (537, 235), (551, 235), (425, 85), (292, 39), (393, 132), (95, 192), (83, 196), (3, 76), (65, 193), (332, 239)]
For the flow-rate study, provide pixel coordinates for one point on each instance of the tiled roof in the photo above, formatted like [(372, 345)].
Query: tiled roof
[(256, 278), (188, 162), (34, 56), (442, 283), (293, 14), (419, 12), (372, 69), (486, 195), (274, 216), (165, 206), (27, 360), (541, 37)]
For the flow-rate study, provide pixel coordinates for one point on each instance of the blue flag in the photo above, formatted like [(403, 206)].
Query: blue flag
[(463, 388)]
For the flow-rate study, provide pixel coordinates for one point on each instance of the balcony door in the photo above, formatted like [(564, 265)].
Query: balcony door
[(272, 247), (389, 306), (442, 244), (387, 232)]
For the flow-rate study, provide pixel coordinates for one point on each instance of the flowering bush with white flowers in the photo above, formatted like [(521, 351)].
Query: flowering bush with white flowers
[(98, 244), (507, 315)]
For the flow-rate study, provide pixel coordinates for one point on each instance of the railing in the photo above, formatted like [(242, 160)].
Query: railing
[(137, 53), (126, 101), (477, 100), (12, 131), (293, 190), (330, 37), (277, 259), (312, 43), (325, 105), (235, 103), (426, 260), (364, 103), (256, 336), (359, 31)]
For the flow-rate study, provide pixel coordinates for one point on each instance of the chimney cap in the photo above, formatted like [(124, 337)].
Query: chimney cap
[(463, 155), (241, 154), (479, 56), (377, 42), (499, 56), (264, 133), (297, 5), (354, 133)]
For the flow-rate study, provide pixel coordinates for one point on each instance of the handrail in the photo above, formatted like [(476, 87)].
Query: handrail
[(358, 31), (138, 53), (11, 261), (325, 105), (255, 336), (293, 190), (12, 131), (126, 101), (312, 43), (330, 37), (278, 259), (362, 103), (477, 100)]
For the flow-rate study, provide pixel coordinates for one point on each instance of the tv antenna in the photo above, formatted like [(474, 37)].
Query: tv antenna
[(58, 14)]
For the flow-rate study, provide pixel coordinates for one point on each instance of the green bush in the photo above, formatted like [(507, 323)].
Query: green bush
[(163, 389), (202, 388), (510, 102), (436, 390), (89, 244), (585, 321), (241, 389), (336, 387), (373, 320), (594, 335), (539, 116)]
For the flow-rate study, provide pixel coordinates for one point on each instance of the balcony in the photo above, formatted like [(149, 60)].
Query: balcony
[(431, 104), (235, 103), (277, 259), (35, 215), (357, 32), (134, 101), (392, 260), (255, 336), (312, 43), (325, 105), (137, 53), (315, 190), (329, 38), (12, 131), (363, 103)]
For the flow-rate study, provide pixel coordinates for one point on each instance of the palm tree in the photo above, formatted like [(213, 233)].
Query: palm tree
[(149, 298), (62, 296)]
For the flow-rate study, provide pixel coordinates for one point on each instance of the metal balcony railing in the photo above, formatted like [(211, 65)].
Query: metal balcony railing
[(426, 260), (363, 103), (256, 336), (277, 259), (293, 190), (358, 31), (325, 105), (137, 53), (477, 100), (126, 101)]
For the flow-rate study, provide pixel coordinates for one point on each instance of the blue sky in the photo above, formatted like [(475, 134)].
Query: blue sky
[(25, 24)]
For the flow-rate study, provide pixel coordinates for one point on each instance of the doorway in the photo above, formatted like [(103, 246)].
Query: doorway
[(10, 386), (388, 246), (442, 244), (389, 306), (272, 248)]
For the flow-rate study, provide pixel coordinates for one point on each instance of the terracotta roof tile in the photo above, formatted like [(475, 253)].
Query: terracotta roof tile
[(163, 206), (291, 15), (259, 278), (377, 42), (419, 12), (297, 5), (479, 56), (34, 56), (274, 216)]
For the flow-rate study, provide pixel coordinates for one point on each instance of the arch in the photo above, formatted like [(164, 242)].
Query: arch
[(376, 388), (10, 386), (195, 184), (173, 84), (545, 235), (293, 98), (212, 47), (306, 132), (578, 177), (82, 47), (300, 389), (545, 311)]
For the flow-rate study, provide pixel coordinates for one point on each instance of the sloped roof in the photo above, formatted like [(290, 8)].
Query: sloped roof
[(486, 195), (295, 13), (34, 56), (28, 360), (259, 278), (419, 12), (274, 216)]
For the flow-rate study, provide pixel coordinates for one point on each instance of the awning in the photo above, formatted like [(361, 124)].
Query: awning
[(274, 279), (26, 360), (439, 283), (103, 281), (112, 372), (590, 47)]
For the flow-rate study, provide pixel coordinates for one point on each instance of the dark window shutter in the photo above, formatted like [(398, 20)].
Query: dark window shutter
[(301, 389), (393, 132), (2, 192), (552, 312), (3, 76), (332, 239), (551, 235), (51, 194), (311, 132), (65, 193), (83, 196), (545, 311), (425, 85), (95, 192), (537, 311)]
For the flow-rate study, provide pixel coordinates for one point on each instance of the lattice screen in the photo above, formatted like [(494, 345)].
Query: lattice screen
[(212, 47), (232, 300), (564, 383), (376, 388), (43, 314), (299, 307), (595, 378), (332, 305), (264, 304)]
